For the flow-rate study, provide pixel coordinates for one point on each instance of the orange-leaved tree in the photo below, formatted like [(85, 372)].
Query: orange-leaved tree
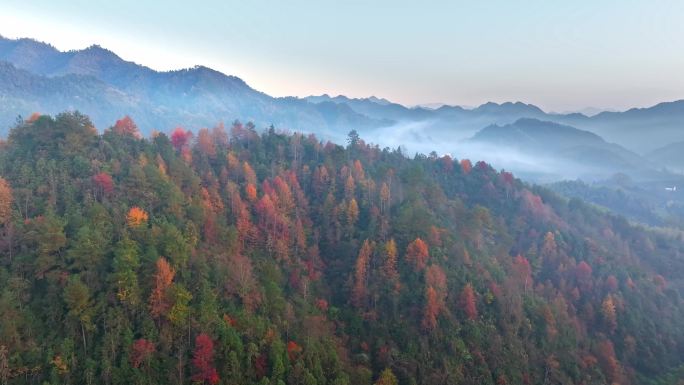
[(5, 201), (159, 299), (136, 217), (435, 296), (361, 274), (417, 254), (468, 302)]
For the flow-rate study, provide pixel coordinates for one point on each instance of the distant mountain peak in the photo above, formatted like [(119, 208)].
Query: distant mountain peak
[(509, 107), (446, 107), (212, 75), (377, 100), (96, 48), (531, 127), (204, 71), (98, 52)]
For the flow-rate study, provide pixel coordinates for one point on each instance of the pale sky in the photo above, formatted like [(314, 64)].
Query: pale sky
[(559, 55)]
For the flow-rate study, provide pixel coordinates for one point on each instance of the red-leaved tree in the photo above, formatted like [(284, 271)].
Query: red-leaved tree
[(126, 126), (104, 182), (180, 137), (141, 351), (203, 361)]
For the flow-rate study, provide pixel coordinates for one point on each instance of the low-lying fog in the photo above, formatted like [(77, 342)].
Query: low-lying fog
[(414, 137)]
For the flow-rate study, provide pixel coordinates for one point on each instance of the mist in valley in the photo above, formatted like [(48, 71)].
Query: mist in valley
[(414, 138)]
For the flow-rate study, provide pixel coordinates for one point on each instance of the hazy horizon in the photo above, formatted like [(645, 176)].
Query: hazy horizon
[(569, 57), (587, 110)]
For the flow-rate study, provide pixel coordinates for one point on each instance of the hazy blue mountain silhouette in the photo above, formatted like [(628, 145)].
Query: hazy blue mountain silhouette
[(670, 156), (98, 82), (584, 151)]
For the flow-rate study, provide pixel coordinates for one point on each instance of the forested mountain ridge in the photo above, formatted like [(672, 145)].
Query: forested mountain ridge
[(267, 258)]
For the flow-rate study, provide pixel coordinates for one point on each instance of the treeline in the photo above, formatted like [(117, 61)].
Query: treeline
[(231, 256)]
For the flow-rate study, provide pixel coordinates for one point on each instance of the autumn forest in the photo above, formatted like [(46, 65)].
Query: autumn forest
[(243, 255)]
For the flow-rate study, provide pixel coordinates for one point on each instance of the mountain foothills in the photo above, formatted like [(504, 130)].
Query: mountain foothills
[(237, 257)]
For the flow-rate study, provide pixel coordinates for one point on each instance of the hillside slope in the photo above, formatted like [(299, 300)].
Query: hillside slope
[(249, 258)]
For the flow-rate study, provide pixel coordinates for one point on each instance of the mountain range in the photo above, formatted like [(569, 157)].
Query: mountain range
[(35, 76), (641, 130)]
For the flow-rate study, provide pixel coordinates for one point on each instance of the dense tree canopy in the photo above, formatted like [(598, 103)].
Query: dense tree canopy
[(279, 259)]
